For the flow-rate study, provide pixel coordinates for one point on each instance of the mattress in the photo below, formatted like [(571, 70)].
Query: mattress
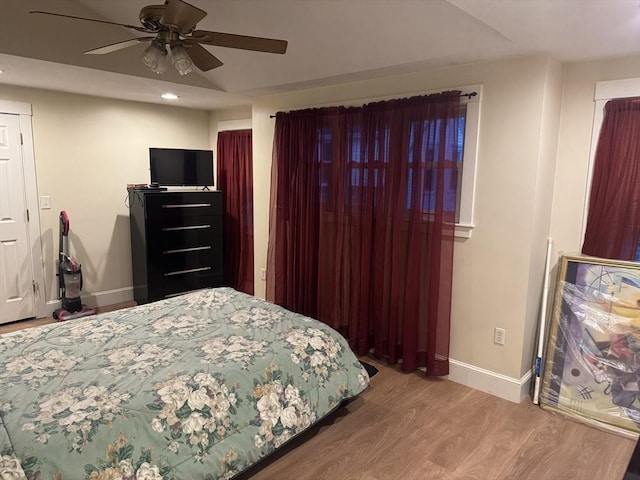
[(202, 385)]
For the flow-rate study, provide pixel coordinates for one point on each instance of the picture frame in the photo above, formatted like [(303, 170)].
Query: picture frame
[(591, 364)]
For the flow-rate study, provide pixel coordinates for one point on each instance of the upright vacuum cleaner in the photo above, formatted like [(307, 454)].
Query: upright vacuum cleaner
[(69, 279)]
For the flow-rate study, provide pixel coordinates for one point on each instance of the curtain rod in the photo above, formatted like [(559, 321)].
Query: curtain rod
[(468, 95)]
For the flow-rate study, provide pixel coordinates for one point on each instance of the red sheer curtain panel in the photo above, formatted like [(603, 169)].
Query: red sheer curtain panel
[(235, 180), (613, 220), (363, 205)]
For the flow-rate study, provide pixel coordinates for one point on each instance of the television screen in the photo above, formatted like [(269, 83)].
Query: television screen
[(181, 167)]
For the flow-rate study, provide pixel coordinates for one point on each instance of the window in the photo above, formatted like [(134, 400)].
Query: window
[(460, 168), (453, 166), (598, 237)]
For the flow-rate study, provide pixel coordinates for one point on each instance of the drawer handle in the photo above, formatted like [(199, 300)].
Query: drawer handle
[(191, 227), (192, 270), (192, 249), (182, 293), (187, 205)]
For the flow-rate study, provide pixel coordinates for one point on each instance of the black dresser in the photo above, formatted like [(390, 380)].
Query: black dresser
[(176, 242)]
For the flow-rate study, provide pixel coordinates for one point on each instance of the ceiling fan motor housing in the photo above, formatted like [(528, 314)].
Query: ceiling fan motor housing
[(150, 17)]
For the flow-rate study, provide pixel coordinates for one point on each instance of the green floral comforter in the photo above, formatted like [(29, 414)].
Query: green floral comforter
[(199, 386)]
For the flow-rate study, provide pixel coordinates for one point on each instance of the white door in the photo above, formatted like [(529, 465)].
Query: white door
[(17, 298)]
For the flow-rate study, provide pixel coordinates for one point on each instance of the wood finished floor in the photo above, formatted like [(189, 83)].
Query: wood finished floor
[(13, 326), (411, 428)]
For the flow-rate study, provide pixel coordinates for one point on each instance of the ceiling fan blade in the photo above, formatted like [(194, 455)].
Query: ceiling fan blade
[(243, 42), (132, 27), (201, 57), (118, 46), (181, 15)]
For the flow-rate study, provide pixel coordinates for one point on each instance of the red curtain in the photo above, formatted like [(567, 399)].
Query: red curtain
[(363, 205), (235, 179), (613, 220)]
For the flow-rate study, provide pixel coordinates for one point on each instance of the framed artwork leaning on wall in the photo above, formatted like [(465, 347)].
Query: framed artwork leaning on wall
[(591, 367)]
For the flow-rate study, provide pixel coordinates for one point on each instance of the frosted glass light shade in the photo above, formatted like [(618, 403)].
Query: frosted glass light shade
[(181, 60), (155, 57)]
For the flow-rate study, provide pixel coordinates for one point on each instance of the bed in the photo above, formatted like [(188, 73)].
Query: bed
[(198, 386)]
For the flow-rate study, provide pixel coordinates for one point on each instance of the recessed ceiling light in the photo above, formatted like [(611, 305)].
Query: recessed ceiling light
[(1, 71), (170, 96)]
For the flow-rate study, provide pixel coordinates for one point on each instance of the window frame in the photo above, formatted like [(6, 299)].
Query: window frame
[(465, 223)]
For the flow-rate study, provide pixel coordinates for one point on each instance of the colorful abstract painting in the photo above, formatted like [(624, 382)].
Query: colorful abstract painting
[(592, 360)]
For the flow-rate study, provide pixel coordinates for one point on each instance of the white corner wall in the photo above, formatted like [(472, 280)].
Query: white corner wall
[(542, 206)]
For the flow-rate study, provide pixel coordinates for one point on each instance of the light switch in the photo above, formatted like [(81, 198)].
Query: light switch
[(45, 202)]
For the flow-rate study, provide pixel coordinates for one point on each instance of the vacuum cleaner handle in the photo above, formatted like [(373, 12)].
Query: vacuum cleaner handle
[(64, 232), (64, 223), (62, 249)]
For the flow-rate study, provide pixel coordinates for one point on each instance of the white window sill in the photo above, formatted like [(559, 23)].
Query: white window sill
[(463, 230)]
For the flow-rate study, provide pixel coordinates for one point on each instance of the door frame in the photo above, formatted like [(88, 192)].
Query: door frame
[(23, 110)]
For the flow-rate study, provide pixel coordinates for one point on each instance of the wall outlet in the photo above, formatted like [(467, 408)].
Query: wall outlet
[(263, 274), (498, 336)]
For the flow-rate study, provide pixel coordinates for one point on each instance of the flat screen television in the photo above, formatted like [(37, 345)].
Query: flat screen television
[(181, 167)]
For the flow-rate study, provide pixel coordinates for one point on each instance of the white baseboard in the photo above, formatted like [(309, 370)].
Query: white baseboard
[(99, 299), (512, 389)]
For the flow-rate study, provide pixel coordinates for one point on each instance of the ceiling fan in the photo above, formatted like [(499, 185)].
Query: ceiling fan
[(174, 36)]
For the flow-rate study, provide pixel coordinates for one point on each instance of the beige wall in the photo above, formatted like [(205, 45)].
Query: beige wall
[(499, 268), (86, 151), (239, 115)]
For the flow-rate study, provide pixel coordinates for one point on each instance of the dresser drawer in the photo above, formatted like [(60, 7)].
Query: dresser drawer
[(168, 207), (204, 233), (182, 260), (185, 282)]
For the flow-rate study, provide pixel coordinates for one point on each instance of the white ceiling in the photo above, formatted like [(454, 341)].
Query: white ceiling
[(330, 41)]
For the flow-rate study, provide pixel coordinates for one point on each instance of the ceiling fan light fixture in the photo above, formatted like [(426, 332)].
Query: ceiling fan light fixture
[(170, 28), (181, 61), (163, 63), (154, 57)]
